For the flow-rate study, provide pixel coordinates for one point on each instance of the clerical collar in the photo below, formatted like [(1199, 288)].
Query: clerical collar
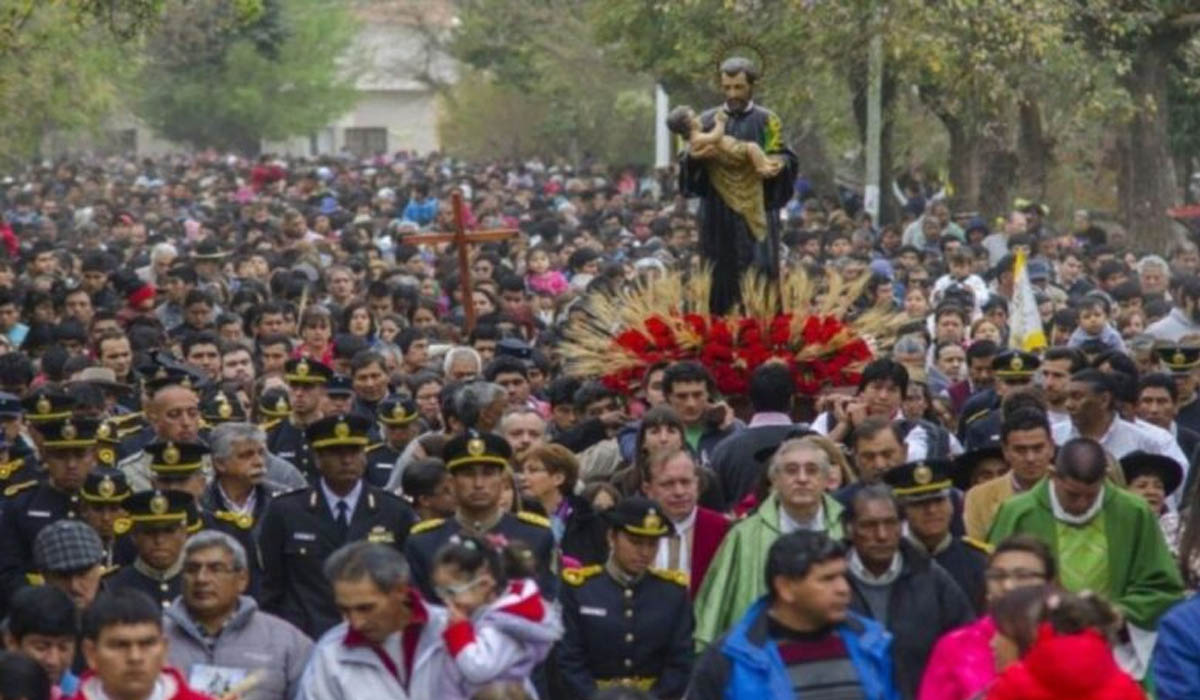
[(860, 571), (748, 108), (788, 524), (151, 572), (1061, 514), (619, 575), (479, 526)]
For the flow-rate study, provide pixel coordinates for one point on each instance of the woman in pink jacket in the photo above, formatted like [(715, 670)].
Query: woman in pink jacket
[(962, 666)]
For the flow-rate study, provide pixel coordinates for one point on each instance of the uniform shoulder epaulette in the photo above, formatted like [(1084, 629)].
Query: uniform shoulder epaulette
[(534, 519), (977, 415), (577, 576), (123, 418), (271, 424), (11, 467), (426, 525), (18, 488), (671, 575), (376, 446), (978, 544), (110, 571)]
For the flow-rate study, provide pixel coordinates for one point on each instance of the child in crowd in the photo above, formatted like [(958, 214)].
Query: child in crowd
[(539, 277), (960, 275), (499, 626), (1093, 324)]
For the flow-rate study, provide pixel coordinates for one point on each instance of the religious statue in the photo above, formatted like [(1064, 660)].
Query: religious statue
[(741, 186)]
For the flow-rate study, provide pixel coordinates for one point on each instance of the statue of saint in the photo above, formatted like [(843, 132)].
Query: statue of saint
[(741, 186)]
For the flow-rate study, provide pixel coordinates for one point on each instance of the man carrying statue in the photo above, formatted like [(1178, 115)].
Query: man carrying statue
[(740, 192)]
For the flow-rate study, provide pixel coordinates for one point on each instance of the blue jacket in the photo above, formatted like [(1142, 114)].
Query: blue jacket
[(745, 664), (1176, 660), (422, 212)]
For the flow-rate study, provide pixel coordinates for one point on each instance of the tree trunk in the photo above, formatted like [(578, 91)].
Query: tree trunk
[(888, 207), (1034, 149), (1147, 183)]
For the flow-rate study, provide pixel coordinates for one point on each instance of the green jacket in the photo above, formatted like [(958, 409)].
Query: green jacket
[(735, 577), (1144, 578)]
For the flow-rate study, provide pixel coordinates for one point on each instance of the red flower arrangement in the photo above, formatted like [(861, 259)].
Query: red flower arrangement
[(822, 352)]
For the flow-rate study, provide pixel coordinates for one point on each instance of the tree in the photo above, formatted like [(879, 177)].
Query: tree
[(212, 79)]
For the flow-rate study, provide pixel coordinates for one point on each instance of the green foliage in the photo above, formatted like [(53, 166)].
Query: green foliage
[(215, 78), (579, 102)]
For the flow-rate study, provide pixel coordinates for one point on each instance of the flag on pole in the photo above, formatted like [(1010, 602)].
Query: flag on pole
[(1026, 331)]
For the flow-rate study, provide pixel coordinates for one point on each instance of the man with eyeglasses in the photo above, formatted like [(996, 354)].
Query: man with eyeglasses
[(218, 638)]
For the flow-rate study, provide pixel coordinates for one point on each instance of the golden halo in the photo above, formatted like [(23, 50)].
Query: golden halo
[(744, 46)]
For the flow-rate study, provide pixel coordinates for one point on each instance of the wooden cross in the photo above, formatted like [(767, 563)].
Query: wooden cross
[(461, 239)]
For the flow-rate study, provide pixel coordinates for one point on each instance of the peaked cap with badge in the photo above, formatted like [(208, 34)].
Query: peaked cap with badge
[(69, 433), (157, 506), (1015, 364), (1178, 359), (105, 486), (475, 447), (638, 515), (47, 405), (170, 458), (397, 411), (340, 430), (307, 371), (922, 480), (219, 407), (275, 403)]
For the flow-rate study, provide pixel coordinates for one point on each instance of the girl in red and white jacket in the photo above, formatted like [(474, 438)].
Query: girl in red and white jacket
[(499, 626)]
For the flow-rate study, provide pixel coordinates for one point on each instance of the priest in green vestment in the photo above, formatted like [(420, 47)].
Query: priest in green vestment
[(1106, 539), (799, 472)]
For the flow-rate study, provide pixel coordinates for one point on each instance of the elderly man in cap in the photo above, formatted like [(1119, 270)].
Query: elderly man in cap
[(68, 448), (625, 623), (478, 465), (398, 418), (307, 380), (923, 489), (70, 556), (104, 493), (159, 521), (301, 528)]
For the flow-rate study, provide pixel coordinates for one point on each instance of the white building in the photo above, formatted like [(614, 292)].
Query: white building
[(397, 106)]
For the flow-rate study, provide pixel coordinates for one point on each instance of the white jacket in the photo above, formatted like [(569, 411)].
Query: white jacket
[(338, 671), (503, 641)]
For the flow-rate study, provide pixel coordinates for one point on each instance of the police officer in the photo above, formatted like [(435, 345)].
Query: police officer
[(340, 391), (1182, 362), (307, 380), (1013, 369), (301, 528), (219, 406), (44, 405), (102, 507), (477, 463), (398, 416), (158, 522), (178, 466), (68, 448), (923, 490), (173, 411), (626, 624), (21, 454)]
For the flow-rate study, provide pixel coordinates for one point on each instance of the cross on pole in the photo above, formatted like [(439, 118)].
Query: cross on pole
[(461, 239)]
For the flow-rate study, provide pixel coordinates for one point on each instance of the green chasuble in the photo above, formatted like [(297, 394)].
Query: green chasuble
[(1083, 556), (1140, 575), (735, 576)]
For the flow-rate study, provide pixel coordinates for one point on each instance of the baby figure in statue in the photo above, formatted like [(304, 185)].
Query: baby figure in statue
[(735, 168)]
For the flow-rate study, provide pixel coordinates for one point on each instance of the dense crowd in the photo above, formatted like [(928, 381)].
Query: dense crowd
[(251, 448)]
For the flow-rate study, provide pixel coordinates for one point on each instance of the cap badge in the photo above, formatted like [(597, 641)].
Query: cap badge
[(341, 430), (398, 412), (106, 488), (476, 447), (651, 522), (922, 474), (43, 405), (1179, 358), (281, 405), (1016, 364), (302, 368), (68, 431), (224, 409), (171, 454), (104, 431), (161, 374), (158, 504)]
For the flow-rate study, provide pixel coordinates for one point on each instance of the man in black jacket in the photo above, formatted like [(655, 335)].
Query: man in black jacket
[(893, 583)]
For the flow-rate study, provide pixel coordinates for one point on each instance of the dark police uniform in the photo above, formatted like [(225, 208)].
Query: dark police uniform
[(108, 487), (627, 630), (33, 505), (533, 530), (394, 412), (299, 532), (963, 558), (155, 509), (287, 439), (982, 424)]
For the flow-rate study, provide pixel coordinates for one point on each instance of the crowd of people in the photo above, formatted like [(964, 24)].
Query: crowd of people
[(252, 450)]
